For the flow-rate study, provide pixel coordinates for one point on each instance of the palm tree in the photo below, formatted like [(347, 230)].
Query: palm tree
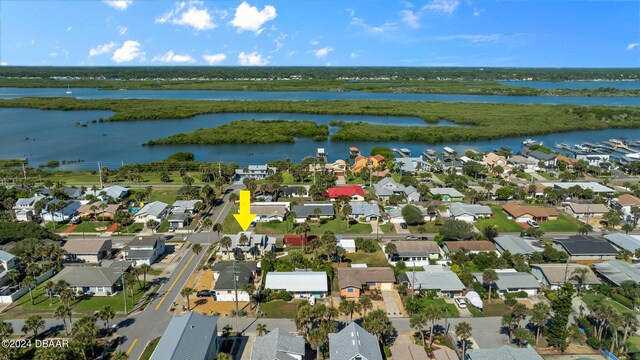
[(6, 329), (316, 211), (144, 269), (105, 314), (196, 248), (206, 223), (585, 229), (226, 243), (30, 282), (463, 331), (66, 296), (186, 292), (346, 211), (33, 323), (432, 314), (243, 240), (303, 228), (539, 317), (119, 355), (217, 227), (510, 322), (417, 322), (261, 329), (93, 209), (390, 249), (489, 277), (365, 304), (63, 312), (49, 288), (580, 274)]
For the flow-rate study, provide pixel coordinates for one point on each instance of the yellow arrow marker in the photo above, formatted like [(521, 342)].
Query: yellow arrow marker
[(245, 217)]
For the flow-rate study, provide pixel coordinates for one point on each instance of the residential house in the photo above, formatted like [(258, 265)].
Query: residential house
[(185, 206), (91, 251), (447, 194), (492, 160), (567, 160), (99, 280), (292, 191), (594, 159), (583, 247), (548, 160), (621, 241), (67, 192), (387, 187), (444, 353), (472, 246), (350, 192), (517, 245), (521, 213), (257, 172), (626, 202), (434, 277), (270, 211), (98, 210), (25, 208), (7, 263), (338, 167), (225, 285), (504, 352), (353, 281), (527, 165), (415, 253), (190, 336), (412, 165), (115, 192), (361, 162), (395, 214), (510, 280), (450, 165), (369, 211), (616, 272), (305, 212), (555, 275), (597, 188), (302, 284), (278, 345), (178, 220), (582, 211), (354, 342), (156, 211), (65, 214), (413, 352), (468, 212), (144, 249), (254, 245), (349, 245)]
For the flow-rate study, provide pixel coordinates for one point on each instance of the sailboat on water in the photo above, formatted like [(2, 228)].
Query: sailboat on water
[(68, 90)]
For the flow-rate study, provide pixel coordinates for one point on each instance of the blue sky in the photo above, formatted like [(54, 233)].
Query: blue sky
[(549, 33)]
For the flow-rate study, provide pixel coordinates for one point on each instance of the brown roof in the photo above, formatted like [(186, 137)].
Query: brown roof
[(269, 210), (628, 199), (557, 273), (540, 188), (416, 248), (409, 352), (85, 247), (516, 210), (566, 159), (445, 353), (355, 277), (587, 208), (111, 208), (491, 159), (470, 245)]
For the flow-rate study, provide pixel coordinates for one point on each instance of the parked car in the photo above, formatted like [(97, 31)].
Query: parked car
[(424, 238), (412, 237), (604, 223), (532, 223), (204, 293), (462, 304), (404, 226)]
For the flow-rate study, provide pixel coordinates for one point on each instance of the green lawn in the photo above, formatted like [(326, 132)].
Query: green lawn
[(546, 175), (564, 223), (496, 308), (87, 226), (634, 343), (430, 227), (164, 227), (340, 227), (131, 229), (167, 196), (452, 309), (388, 228), (148, 351), (371, 259), (499, 220), (590, 299), (278, 309), (230, 225)]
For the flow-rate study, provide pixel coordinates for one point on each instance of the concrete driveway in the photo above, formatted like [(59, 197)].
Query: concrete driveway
[(391, 299)]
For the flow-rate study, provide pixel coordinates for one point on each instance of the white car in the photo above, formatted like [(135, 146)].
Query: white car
[(532, 223), (462, 304)]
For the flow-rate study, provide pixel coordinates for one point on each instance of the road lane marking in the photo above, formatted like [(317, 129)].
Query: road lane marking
[(175, 281), (132, 345), (221, 211)]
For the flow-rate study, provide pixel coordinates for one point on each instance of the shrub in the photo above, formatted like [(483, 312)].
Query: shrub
[(276, 221), (509, 301), (593, 342), (622, 300), (516, 295)]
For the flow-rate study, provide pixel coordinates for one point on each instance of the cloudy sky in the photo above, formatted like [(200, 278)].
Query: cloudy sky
[(550, 33)]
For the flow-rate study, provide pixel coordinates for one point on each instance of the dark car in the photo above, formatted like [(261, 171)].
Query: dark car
[(424, 238), (204, 293), (404, 225)]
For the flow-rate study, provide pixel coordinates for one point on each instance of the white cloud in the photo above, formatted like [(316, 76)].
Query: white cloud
[(410, 18), (252, 59), (477, 12), (351, 12), (66, 53), (53, 54), (129, 51), (322, 52), (102, 49), (32, 41), (475, 38), (68, 29), (291, 52), (249, 18), (442, 6), (197, 18), (353, 55), (381, 29), (3, 63), (279, 40), (122, 30), (214, 59), (120, 5), (171, 57), (632, 46), (314, 42)]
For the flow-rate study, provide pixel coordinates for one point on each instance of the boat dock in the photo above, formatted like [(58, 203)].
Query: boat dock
[(404, 152)]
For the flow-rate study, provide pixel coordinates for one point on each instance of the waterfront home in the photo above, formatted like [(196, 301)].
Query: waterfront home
[(65, 214), (269, 211), (361, 162), (527, 165), (517, 245), (156, 211), (434, 277), (594, 159), (387, 187), (412, 165), (190, 336), (278, 345), (257, 172), (624, 241), (369, 211), (185, 206), (337, 168), (580, 211), (569, 161), (98, 210), (115, 192), (415, 352), (90, 251), (504, 352), (451, 165), (144, 249), (493, 160), (415, 253), (522, 214), (510, 280), (555, 275), (350, 192), (616, 272), (253, 245), (301, 284), (548, 160), (626, 202), (468, 212), (446, 194), (100, 280), (25, 208), (354, 342), (7, 263), (584, 247), (353, 281), (67, 192), (225, 285), (471, 246), (307, 212), (597, 188)]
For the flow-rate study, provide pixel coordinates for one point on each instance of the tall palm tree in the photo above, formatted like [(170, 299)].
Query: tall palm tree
[(217, 227), (30, 282), (539, 317), (261, 329), (417, 322), (144, 269), (66, 296), (433, 314), (105, 314), (580, 274), (119, 355), (463, 331), (346, 212), (303, 228), (316, 212), (490, 277), (196, 248), (6, 329), (49, 288), (63, 312), (365, 304), (186, 293), (33, 323), (226, 243)]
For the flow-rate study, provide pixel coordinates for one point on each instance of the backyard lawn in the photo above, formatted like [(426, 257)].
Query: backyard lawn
[(87, 226), (452, 309), (496, 308), (340, 227), (371, 259), (590, 299), (500, 220), (167, 196), (278, 309), (429, 226), (564, 223)]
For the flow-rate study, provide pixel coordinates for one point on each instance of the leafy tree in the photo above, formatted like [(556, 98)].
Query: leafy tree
[(505, 193), (378, 324), (585, 229), (562, 308), (412, 215), (490, 232), (521, 336), (456, 230), (390, 249)]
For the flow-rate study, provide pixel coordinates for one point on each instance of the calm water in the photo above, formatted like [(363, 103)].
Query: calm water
[(52, 135), (576, 85), (90, 93)]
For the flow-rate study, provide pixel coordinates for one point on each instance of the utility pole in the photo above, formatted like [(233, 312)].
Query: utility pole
[(124, 289), (24, 171), (235, 287), (100, 172), (219, 170)]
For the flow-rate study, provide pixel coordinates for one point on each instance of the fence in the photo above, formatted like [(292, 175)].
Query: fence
[(8, 299)]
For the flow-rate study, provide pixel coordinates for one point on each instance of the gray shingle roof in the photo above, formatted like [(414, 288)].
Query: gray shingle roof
[(277, 345), (388, 187), (245, 271), (459, 209), (140, 254), (154, 209), (352, 341), (435, 277), (512, 280), (624, 241), (85, 247), (306, 210), (515, 245), (618, 271), (586, 245), (504, 353), (361, 208), (188, 337), (557, 273), (6, 256), (89, 275), (539, 155), (446, 191), (416, 248)]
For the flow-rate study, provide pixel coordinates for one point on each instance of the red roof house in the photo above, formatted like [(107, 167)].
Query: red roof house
[(353, 192)]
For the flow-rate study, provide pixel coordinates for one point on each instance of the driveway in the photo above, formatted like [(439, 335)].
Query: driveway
[(400, 230), (391, 303)]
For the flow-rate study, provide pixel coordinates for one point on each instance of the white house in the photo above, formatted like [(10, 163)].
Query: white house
[(156, 211), (468, 212), (64, 214), (387, 187), (510, 280), (269, 211), (24, 209), (114, 192), (526, 164), (594, 159), (301, 284), (257, 172), (144, 249), (225, 285), (185, 206), (99, 280)]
